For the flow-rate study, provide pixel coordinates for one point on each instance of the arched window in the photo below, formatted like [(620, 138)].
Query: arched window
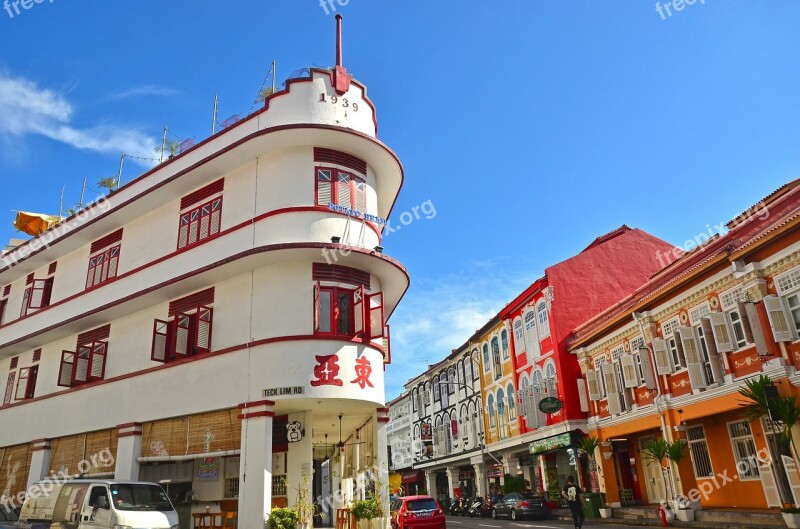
[(486, 364), (490, 407), (504, 343), (436, 388), (501, 402), (519, 337), (512, 403), (451, 378), (415, 400), (531, 337), (462, 371), (474, 363), (544, 324), (498, 367), (550, 375)]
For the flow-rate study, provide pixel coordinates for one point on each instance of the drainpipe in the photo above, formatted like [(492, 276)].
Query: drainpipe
[(640, 317)]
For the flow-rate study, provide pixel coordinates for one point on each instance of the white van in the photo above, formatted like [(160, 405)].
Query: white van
[(97, 504)]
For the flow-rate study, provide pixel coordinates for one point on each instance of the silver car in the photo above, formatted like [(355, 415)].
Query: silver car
[(521, 505)]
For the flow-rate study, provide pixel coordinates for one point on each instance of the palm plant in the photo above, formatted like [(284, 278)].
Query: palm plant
[(783, 411), (656, 450), (109, 183), (588, 445)]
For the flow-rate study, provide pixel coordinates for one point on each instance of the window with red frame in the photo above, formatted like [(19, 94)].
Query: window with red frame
[(349, 312), (9, 394), (342, 188), (86, 364), (26, 383), (36, 295), (199, 222), (188, 333), (103, 266)]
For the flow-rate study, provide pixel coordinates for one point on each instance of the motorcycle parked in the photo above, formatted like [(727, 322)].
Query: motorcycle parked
[(477, 507), (456, 507)]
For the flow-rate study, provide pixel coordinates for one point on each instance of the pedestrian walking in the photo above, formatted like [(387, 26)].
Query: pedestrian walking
[(572, 493)]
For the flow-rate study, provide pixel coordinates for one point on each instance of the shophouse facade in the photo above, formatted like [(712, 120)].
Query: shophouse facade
[(199, 325), (668, 362), (543, 445), (399, 441)]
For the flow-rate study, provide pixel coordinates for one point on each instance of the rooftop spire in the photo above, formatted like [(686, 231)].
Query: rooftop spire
[(341, 79)]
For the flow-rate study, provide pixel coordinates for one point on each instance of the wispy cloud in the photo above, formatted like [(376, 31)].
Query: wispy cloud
[(26, 109), (440, 314), (143, 91)]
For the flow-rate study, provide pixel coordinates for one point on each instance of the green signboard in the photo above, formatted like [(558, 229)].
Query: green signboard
[(550, 443), (550, 405)]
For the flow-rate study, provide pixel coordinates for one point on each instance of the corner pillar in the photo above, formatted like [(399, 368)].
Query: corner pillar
[(40, 461), (255, 466), (129, 448)]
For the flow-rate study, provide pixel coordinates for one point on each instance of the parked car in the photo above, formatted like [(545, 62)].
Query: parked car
[(8, 517), (520, 505), (417, 512)]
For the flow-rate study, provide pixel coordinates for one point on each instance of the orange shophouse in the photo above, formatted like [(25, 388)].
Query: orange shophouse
[(551, 407), (668, 361)]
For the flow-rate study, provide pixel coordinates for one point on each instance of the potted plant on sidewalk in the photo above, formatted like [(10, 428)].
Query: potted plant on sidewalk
[(589, 445), (675, 452)]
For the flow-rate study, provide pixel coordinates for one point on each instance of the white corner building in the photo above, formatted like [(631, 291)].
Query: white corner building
[(206, 325)]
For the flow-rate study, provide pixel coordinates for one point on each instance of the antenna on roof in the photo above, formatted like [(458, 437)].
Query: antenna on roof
[(341, 79)]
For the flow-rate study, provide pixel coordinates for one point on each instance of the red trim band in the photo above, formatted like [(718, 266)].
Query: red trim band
[(256, 415), (244, 405)]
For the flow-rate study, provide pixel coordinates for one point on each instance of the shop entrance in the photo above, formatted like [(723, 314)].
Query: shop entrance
[(625, 464), (653, 476)]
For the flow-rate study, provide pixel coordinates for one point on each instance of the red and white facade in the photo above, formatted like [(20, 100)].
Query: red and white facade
[(210, 287)]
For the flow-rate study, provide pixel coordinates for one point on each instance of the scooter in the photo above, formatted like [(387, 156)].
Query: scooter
[(456, 507), (476, 507), (465, 505)]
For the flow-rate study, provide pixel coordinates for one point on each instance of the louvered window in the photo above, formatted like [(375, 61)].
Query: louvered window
[(26, 383), (668, 332), (498, 368), (199, 223), (87, 363), (519, 337), (36, 295), (341, 188), (349, 312), (103, 266), (504, 344), (188, 331)]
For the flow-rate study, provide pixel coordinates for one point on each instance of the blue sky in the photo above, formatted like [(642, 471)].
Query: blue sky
[(533, 127)]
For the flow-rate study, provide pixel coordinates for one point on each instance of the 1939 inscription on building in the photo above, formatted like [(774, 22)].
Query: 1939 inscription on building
[(278, 392)]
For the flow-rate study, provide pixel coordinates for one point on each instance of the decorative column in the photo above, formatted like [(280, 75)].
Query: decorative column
[(40, 461), (429, 483), (129, 449), (381, 459), (480, 480), (451, 482), (255, 467)]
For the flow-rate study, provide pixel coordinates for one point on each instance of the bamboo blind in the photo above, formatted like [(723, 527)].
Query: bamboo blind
[(366, 450), (216, 431), (14, 467), (66, 453)]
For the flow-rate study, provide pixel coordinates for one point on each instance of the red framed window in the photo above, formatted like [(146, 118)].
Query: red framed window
[(9, 387), (3, 306), (103, 266), (342, 188), (187, 333), (341, 311), (26, 383), (36, 295), (199, 222), (86, 364)]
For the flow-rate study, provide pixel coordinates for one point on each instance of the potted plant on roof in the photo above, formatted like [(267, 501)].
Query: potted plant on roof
[(589, 445)]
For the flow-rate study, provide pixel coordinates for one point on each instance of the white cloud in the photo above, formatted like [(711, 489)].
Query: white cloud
[(143, 91), (438, 315), (26, 109)]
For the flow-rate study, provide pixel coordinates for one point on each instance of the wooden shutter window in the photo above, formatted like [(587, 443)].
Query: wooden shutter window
[(756, 329), (647, 368), (66, 369), (192, 301), (713, 354), (183, 330), (376, 316), (9, 388), (778, 319), (744, 315), (694, 359), (629, 374), (722, 331), (663, 357), (202, 341), (344, 159), (161, 338), (594, 385), (203, 193), (358, 310), (387, 345), (105, 242), (101, 333)]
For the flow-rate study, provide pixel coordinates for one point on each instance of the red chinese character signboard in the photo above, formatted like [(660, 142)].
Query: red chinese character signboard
[(363, 370), (327, 371)]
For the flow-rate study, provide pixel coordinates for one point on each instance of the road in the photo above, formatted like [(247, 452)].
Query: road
[(457, 522)]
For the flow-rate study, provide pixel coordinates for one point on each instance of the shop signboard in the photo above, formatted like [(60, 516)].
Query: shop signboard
[(550, 443), (494, 471), (550, 405)]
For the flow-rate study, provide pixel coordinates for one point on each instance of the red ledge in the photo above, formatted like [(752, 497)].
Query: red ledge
[(240, 255), (383, 419), (256, 415), (128, 425), (384, 410), (244, 405), (196, 358), (202, 162)]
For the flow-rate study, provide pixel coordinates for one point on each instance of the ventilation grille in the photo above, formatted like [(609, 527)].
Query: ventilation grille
[(204, 297), (6, 290), (341, 274), (29, 280), (105, 242), (52, 268), (37, 355), (14, 362), (101, 333), (203, 193), (340, 158)]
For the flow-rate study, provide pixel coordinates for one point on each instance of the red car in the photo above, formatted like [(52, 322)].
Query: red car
[(417, 512)]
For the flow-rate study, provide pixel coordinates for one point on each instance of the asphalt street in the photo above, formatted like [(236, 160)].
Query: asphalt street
[(457, 522)]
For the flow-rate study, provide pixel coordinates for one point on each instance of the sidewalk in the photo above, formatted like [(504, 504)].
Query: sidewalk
[(710, 518)]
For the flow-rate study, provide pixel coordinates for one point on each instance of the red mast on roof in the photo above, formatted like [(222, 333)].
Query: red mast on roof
[(341, 79)]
